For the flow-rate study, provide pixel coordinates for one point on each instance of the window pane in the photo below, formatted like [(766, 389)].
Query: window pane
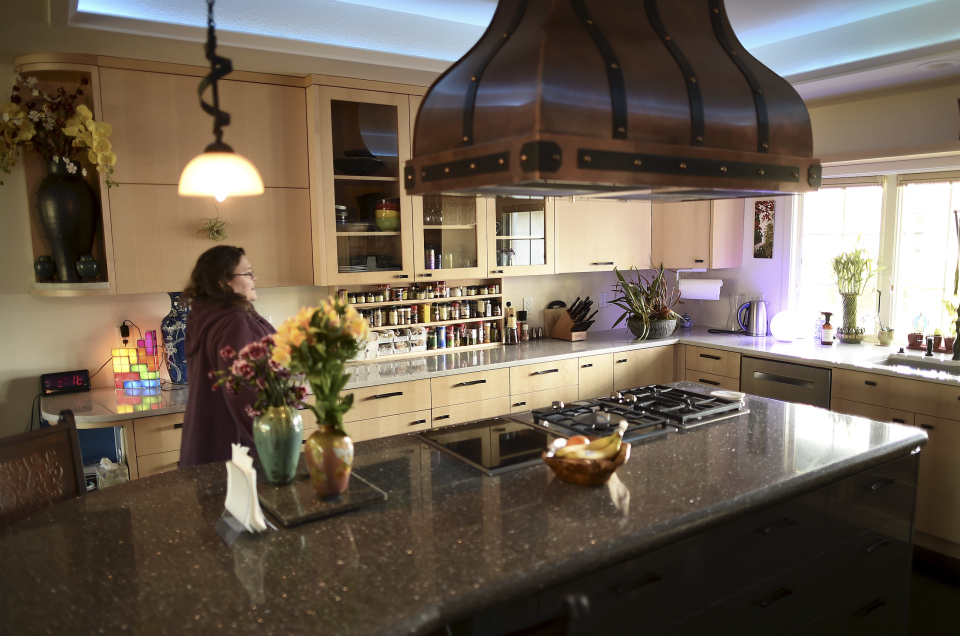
[(927, 257), (837, 220)]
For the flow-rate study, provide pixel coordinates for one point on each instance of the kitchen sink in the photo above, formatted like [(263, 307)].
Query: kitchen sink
[(918, 362)]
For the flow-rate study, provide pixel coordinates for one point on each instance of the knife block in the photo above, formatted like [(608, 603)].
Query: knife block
[(561, 330)]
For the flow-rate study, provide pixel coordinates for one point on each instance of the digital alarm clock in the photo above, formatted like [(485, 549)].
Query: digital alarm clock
[(65, 382)]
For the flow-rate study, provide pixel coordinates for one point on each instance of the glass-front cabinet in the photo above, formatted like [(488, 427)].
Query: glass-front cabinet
[(362, 140), (521, 236), (450, 238)]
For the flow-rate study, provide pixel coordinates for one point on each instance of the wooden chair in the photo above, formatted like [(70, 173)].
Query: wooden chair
[(39, 469)]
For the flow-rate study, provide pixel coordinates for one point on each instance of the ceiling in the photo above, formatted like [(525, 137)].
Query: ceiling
[(823, 47)]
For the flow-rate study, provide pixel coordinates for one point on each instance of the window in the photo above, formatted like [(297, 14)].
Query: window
[(836, 220), (926, 258)]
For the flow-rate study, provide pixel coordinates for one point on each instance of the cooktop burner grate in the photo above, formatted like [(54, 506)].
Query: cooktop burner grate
[(683, 409), (598, 420)]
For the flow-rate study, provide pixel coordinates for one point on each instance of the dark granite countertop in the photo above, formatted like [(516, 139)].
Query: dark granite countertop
[(143, 557)]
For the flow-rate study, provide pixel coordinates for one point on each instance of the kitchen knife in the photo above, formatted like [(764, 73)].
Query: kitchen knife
[(590, 318), (573, 307), (583, 310)]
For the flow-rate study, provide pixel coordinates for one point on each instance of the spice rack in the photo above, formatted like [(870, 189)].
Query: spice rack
[(406, 330)]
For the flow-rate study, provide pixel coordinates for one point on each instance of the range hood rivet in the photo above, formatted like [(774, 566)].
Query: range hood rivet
[(472, 166), (446, 169), (473, 79), (423, 174), (683, 166), (699, 138), (589, 21), (621, 130), (556, 157), (760, 172), (716, 10), (500, 161), (586, 158), (466, 139), (636, 162), (794, 174), (506, 35), (723, 168), (759, 92), (693, 79), (613, 66), (667, 38), (523, 157), (410, 176), (764, 145)]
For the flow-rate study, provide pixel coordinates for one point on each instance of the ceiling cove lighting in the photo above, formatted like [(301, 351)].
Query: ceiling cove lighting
[(219, 171)]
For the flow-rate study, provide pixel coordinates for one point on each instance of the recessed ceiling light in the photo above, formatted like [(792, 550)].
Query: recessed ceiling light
[(938, 64)]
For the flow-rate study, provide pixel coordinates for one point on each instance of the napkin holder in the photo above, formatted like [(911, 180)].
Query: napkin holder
[(242, 512)]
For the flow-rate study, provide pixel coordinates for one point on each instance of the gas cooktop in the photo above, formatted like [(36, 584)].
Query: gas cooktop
[(597, 419), (683, 409)]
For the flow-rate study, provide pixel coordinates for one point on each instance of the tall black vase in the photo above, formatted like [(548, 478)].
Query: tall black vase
[(69, 210)]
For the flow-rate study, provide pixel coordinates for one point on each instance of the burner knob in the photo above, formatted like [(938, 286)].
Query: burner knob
[(557, 405), (616, 395), (630, 398)]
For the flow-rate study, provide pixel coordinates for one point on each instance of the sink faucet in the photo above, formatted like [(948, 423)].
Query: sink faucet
[(929, 347)]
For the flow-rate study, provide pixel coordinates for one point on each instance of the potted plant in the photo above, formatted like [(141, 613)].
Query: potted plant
[(646, 305), (277, 425), (915, 340), (317, 342), (952, 318), (852, 270), (937, 338)]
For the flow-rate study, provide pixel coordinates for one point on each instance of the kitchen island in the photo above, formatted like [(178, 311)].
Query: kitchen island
[(818, 490)]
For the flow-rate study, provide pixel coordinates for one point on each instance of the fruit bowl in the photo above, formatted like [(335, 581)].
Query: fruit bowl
[(586, 472)]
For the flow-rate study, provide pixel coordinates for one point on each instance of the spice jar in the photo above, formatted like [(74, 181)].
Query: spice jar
[(431, 340), (352, 299), (415, 314), (444, 311), (441, 338), (450, 338), (481, 308), (455, 311), (430, 292), (392, 316), (377, 318)]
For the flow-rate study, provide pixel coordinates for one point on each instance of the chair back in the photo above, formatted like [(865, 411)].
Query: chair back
[(39, 469)]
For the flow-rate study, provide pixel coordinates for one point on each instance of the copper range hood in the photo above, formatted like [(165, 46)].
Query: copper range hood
[(622, 98)]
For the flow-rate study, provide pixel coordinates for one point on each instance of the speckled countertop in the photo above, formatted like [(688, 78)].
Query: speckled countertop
[(100, 405), (143, 557)]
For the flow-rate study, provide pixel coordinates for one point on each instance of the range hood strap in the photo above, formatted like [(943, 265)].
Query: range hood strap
[(471, 97), (763, 122), (618, 92), (690, 78)]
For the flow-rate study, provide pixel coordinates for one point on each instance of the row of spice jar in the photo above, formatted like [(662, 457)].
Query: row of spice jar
[(463, 335), (431, 312), (384, 293)]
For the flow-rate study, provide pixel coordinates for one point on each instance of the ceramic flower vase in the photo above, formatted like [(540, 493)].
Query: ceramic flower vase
[(174, 330), (278, 435), (329, 456), (68, 211)]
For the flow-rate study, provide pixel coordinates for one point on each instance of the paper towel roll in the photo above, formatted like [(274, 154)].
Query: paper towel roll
[(700, 288)]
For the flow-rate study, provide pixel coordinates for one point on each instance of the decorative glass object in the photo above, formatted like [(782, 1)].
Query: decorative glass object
[(136, 375), (278, 435)]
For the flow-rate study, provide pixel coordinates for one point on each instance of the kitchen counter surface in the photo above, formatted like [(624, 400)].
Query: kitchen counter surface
[(143, 556), (99, 407)]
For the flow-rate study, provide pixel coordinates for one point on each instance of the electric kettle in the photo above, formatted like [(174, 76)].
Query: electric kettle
[(752, 317)]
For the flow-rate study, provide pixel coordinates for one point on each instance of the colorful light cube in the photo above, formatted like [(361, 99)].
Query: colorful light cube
[(136, 375)]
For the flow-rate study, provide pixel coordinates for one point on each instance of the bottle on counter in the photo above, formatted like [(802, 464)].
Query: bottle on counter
[(827, 332), (510, 335)]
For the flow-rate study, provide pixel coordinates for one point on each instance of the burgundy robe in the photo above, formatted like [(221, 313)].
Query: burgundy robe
[(215, 420)]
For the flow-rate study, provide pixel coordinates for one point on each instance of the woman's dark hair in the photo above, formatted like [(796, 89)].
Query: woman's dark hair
[(211, 276)]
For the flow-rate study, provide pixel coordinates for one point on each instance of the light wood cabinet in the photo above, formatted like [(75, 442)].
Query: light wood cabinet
[(938, 495), (542, 399), (156, 241), (871, 411), (449, 237), (642, 367), (387, 399), (596, 376), (158, 126), (520, 236), (713, 381), (929, 398), (698, 234), (469, 387), (158, 463), (543, 375), (158, 434), (388, 425), (596, 236), (470, 411), (715, 361)]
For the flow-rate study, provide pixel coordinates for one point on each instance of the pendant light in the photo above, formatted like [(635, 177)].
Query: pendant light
[(219, 171)]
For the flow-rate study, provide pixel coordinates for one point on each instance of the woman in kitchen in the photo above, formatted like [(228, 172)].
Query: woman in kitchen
[(220, 295)]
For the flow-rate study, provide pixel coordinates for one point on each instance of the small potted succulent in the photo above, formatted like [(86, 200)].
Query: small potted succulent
[(646, 305), (915, 339), (937, 338)]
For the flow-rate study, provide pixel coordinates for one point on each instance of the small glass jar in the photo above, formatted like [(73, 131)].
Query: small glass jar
[(497, 311), (441, 338), (431, 340), (352, 299), (430, 292), (371, 298), (405, 293), (471, 291), (486, 332), (392, 316), (377, 318), (444, 311), (435, 317), (414, 314), (378, 296), (456, 291), (481, 308), (450, 337), (455, 311)]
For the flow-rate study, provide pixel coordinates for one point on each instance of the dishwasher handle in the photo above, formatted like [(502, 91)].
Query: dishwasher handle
[(783, 379)]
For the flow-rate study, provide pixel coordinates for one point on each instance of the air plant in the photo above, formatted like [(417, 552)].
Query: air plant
[(644, 299), (215, 229)]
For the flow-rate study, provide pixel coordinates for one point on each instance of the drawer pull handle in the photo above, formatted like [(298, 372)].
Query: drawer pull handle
[(586, 366), (603, 263), (385, 395), (623, 360), (711, 382), (703, 355), (545, 371), (783, 379), (875, 604), (786, 522), (442, 417), (418, 422), (783, 592), (889, 481), (899, 421), (175, 426), (178, 463), (927, 427), (870, 383), (403, 276), (498, 271), (426, 275), (698, 260), (877, 546), (470, 383), (651, 577), (520, 404)]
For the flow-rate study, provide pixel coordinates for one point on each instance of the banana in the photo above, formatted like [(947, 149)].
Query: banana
[(603, 448)]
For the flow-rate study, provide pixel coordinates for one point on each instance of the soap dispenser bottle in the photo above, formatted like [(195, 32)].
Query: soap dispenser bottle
[(827, 332)]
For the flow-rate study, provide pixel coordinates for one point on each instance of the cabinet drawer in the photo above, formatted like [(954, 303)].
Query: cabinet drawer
[(470, 387), (546, 375), (880, 611), (715, 381), (388, 399), (363, 430), (157, 463), (158, 434), (872, 498), (915, 396), (938, 488), (761, 544), (871, 411), (596, 376), (872, 556), (713, 361), (641, 367), (541, 399), (460, 413)]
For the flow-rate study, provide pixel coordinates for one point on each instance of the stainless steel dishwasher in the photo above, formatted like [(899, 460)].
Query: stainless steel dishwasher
[(785, 381)]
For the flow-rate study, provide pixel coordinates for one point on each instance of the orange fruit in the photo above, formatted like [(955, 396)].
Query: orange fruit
[(577, 440)]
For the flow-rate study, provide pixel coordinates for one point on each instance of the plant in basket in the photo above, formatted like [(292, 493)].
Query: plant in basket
[(317, 342), (646, 304), (277, 425)]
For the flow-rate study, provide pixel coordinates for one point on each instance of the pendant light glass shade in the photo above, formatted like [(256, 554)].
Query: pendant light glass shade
[(220, 175)]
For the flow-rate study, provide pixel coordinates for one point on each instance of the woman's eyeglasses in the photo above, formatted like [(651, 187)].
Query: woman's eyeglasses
[(249, 274)]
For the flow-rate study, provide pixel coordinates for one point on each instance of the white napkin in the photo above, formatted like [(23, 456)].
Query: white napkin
[(242, 501)]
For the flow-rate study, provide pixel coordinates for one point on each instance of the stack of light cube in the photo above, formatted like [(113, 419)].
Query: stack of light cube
[(136, 375)]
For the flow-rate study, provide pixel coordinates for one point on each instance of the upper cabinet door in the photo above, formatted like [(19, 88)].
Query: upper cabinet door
[(450, 237), (158, 126), (595, 236), (698, 234), (362, 140), (520, 236)]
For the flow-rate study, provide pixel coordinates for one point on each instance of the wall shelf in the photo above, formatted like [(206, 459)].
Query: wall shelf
[(430, 352), (451, 299), (345, 177), (68, 290), (443, 323)]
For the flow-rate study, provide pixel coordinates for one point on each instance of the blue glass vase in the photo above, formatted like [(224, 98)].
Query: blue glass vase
[(174, 330)]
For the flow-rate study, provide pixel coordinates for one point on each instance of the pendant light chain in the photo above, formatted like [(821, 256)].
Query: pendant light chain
[(219, 68)]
